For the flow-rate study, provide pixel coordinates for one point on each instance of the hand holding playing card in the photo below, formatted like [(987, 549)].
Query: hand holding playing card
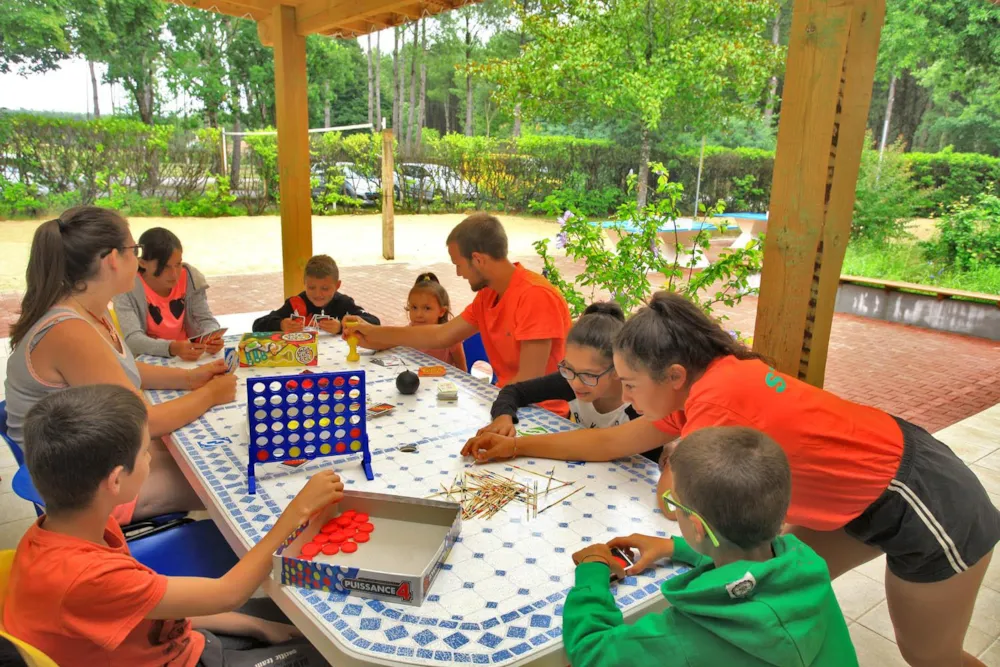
[(213, 345), (600, 553), (292, 324), (330, 325), (186, 350)]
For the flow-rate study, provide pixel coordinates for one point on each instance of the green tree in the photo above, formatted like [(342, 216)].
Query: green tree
[(195, 57), (337, 81), (33, 35), (656, 64)]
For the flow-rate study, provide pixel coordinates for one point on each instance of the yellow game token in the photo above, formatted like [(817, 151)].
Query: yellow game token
[(339, 421), (356, 445), (292, 425), (309, 423), (294, 451), (325, 448), (325, 421)]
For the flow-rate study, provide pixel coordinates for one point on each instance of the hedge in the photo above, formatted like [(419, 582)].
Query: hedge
[(55, 162)]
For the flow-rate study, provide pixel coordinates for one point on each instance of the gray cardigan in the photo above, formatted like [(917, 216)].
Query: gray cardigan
[(131, 309)]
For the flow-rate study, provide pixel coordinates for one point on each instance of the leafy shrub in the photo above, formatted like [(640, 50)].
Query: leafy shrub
[(590, 203), (332, 194), (953, 176), (746, 196), (886, 197), (215, 202), (623, 271), (123, 198), (19, 200), (969, 236)]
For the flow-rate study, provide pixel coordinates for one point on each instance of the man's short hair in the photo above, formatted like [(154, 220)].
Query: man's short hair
[(322, 266), (738, 479), (482, 233), (74, 438)]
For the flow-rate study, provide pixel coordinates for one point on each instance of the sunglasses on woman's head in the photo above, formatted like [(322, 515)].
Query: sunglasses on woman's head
[(674, 506), (137, 249)]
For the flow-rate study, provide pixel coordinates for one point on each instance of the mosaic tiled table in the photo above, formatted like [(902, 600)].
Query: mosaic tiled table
[(499, 599)]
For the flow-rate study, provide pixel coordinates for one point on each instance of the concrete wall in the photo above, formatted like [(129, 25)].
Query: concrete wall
[(921, 310)]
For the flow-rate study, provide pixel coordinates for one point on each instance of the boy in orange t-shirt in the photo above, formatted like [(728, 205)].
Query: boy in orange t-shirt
[(523, 319), (75, 591)]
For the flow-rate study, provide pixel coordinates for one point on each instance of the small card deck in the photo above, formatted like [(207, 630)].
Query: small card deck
[(388, 361), (380, 410), (205, 337), (432, 371), (447, 391), (232, 360)]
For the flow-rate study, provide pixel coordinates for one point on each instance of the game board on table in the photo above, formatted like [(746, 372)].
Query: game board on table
[(305, 417), (498, 599)]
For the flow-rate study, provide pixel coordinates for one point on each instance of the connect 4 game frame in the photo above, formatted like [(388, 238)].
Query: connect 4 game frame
[(308, 416)]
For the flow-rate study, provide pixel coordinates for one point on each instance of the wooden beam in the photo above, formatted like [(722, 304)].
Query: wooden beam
[(320, 15), (388, 214), (832, 50), (253, 9), (293, 147), (265, 31)]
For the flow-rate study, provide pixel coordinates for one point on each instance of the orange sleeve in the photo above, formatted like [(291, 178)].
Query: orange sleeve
[(471, 312), (538, 315), (672, 424), (109, 599)]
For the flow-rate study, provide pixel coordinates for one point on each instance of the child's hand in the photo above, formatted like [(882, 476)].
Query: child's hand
[(187, 350), (214, 345), (200, 376), (331, 326), (289, 325), (600, 553), (222, 388), (324, 488), (272, 633), (489, 446), (651, 549), (502, 425)]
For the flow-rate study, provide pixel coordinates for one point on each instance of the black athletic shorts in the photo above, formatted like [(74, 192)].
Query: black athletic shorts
[(935, 520)]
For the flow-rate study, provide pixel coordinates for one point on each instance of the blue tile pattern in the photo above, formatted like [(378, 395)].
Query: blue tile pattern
[(499, 597)]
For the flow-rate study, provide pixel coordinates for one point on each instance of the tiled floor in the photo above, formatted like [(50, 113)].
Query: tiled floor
[(860, 592)]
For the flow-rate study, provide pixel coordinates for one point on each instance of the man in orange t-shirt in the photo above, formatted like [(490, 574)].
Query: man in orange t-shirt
[(523, 319)]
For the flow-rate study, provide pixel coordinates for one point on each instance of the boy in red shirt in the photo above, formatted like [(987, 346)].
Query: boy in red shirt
[(523, 319), (75, 591)]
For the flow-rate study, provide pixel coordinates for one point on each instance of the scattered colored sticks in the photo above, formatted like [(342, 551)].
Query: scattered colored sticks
[(484, 493)]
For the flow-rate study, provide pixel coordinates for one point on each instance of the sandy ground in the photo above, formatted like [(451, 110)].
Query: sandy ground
[(249, 245)]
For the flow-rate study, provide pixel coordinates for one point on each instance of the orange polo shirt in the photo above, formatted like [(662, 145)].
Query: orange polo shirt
[(530, 309), (85, 604), (842, 455)]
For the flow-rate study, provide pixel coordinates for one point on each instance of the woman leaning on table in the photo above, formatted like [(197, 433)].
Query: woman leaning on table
[(864, 483), (64, 337)]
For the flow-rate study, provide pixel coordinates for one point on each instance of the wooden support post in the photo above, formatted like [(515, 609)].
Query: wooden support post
[(832, 51), (291, 104), (388, 215)]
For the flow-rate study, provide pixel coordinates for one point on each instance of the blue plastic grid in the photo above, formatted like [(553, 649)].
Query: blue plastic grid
[(306, 416)]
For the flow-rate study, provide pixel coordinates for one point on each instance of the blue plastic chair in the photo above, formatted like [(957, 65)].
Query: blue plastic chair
[(186, 548), (476, 351)]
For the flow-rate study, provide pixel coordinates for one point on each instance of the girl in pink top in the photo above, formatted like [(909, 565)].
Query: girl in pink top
[(428, 303)]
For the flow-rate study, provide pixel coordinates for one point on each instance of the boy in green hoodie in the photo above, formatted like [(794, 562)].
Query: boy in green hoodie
[(752, 597)]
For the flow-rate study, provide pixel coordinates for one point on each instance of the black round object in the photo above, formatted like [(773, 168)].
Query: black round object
[(407, 382)]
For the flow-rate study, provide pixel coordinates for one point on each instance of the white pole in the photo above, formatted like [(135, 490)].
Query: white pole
[(225, 167), (697, 187)]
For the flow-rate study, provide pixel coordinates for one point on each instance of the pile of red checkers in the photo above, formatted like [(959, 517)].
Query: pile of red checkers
[(341, 533)]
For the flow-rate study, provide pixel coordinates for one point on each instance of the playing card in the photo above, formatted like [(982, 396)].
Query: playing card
[(232, 359), (380, 409), (388, 361), (432, 371)]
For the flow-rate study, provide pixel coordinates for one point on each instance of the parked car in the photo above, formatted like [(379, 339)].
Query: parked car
[(357, 185), (435, 180)]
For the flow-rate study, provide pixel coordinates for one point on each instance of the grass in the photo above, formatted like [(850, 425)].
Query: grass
[(906, 262)]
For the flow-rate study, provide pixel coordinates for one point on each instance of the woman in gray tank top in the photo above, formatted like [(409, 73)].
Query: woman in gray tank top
[(65, 337)]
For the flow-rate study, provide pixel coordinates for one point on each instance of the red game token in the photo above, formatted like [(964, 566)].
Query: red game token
[(360, 517), (366, 528), (344, 521), (339, 536), (310, 549), (350, 514), (349, 547), (321, 538), (305, 557), (330, 549), (620, 562), (362, 537), (331, 526)]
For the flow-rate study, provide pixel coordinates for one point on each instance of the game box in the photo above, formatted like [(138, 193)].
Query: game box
[(277, 349), (408, 540)]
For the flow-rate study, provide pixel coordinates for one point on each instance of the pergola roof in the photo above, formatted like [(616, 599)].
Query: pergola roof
[(336, 18)]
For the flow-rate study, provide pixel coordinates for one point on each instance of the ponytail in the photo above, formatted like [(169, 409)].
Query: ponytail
[(65, 254), (672, 330), (597, 327)]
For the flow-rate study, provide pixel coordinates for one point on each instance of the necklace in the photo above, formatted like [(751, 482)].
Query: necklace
[(100, 320)]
